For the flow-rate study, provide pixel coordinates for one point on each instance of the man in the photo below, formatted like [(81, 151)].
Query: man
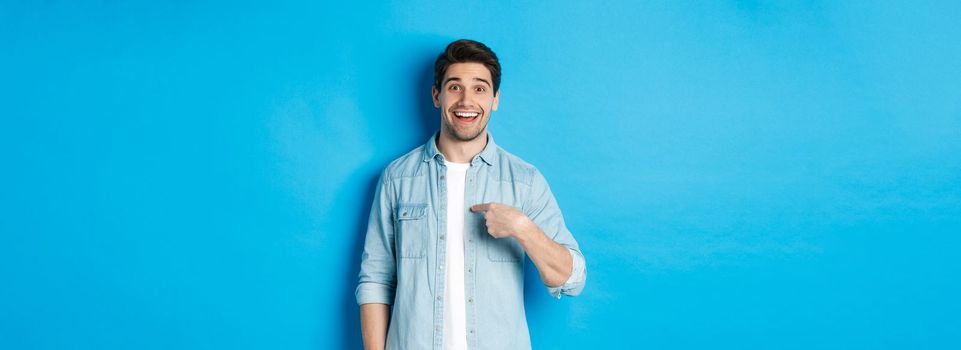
[(451, 224)]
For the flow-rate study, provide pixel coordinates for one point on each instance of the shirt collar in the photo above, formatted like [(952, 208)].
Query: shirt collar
[(487, 154)]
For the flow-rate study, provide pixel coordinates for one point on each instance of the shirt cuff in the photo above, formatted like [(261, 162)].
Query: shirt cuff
[(575, 283), (374, 293)]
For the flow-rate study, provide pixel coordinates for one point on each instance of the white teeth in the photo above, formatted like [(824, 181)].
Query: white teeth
[(466, 115)]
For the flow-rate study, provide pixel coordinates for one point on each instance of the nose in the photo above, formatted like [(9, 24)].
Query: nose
[(463, 101)]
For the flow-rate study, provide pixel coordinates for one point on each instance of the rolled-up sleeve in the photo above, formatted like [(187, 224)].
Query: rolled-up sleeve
[(544, 211), (377, 279), (575, 283)]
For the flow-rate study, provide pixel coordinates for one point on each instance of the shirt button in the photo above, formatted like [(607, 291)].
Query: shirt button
[(471, 300), (441, 267), (442, 177), (470, 270), (442, 237), (440, 298)]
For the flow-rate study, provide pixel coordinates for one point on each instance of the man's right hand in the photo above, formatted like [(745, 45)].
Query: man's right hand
[(374, 319)]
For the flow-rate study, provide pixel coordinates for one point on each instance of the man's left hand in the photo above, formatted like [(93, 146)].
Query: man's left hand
[(504, 220)]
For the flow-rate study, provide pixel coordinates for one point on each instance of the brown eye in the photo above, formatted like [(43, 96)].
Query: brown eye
[(454, 88), (480, 89)]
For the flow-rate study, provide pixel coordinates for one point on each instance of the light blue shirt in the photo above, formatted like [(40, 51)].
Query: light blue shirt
[(402, 264)]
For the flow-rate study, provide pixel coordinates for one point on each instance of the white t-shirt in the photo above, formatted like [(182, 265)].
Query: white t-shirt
[(455, 310)]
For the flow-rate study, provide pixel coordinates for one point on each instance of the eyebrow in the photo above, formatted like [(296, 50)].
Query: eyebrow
[(458, 79)]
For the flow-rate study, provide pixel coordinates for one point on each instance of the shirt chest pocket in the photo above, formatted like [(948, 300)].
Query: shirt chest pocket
[(410, 230), (504, 249)]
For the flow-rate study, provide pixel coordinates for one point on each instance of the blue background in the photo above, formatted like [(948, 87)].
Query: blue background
[(740, 174)]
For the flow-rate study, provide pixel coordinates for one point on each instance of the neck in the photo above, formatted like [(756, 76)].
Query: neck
[(460, 151)]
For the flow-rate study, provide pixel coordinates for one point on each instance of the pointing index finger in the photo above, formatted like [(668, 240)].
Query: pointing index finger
[(480, 207)]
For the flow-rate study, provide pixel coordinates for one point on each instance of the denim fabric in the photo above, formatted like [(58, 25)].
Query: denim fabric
[(402, 263)]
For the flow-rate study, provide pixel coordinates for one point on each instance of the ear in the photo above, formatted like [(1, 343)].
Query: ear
[(497, 98), (435, 95)]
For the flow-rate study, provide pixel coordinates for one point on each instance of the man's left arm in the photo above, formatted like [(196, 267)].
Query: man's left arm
[(541, 231)]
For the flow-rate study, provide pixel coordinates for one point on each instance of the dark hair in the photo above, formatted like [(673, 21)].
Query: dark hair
[(463, 51)]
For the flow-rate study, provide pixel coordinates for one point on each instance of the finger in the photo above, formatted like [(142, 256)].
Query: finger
[(480, 207)]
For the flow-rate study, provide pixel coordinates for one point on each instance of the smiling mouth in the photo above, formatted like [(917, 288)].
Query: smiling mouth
[(466, 117)]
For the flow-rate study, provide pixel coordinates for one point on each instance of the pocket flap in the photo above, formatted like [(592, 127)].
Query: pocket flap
[(411, 211)]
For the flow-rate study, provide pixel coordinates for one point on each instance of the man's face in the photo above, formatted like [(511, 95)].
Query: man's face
[(466, 98)]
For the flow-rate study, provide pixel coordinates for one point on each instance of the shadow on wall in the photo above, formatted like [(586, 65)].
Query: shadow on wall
[(422, 74), (350, 312), (427, 113)]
